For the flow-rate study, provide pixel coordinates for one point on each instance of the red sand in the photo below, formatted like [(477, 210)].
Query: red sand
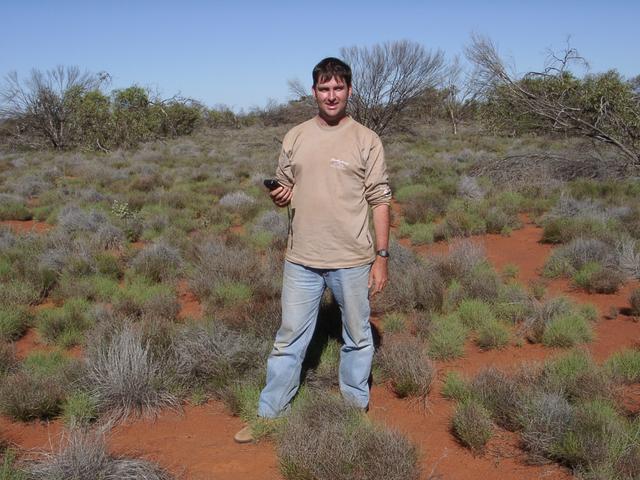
[(26, 226), (198, 443)]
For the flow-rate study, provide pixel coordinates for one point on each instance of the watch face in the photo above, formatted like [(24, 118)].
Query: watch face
[(383, 253)]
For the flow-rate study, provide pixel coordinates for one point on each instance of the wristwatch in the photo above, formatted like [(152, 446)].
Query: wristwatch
[(383, 253)]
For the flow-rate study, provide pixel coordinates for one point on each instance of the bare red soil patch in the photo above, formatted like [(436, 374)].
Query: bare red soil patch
[(197, 444), (26, 226), (190, 306)]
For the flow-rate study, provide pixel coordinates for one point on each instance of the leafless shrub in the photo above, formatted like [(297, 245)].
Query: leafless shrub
[(403, 360), (125, 378), (468, 188), (158, 262), (212, 355), (500, 394), (545, 418), (83, 455), (324, 438)]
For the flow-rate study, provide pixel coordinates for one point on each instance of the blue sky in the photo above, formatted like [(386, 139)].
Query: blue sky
[(242, 53)]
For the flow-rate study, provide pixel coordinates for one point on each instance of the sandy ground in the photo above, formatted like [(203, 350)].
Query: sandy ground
[(197, 442)]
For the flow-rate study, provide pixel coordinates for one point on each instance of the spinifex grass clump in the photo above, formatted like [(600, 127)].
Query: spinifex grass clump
[(404, 362), (414, 284), (446, 338), (139, 298), (124, 376), (39, 387), (559, 323), (83, 455), (212, 356), (157, 262), (576, 376), (326, 439), (624, 366), (14, 322), (65, 326), (472, 425)]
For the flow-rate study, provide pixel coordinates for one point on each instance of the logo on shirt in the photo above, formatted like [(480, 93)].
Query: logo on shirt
[(339, 164)]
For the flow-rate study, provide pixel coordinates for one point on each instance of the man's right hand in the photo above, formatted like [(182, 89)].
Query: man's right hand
[(281, 196)]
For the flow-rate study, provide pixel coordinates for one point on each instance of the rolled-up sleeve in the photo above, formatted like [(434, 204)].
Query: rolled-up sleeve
[(376, 182), (284, 175)]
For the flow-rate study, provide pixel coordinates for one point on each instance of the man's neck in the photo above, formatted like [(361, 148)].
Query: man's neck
[(331, 122)]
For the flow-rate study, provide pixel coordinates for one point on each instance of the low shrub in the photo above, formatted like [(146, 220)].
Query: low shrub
[(492, 334), (567, 330), (413, 284), (324, 436), (545, 419), (13, 207), (447, 337), (456, 387), (394, 322), (634, 301), (65, 326), (212, 356), (405, 364), (14, 322), (157, 262), (324, 374), (543, 313), (472, 425), (8, 361), (594, 437), (125, 378), (83, 455), (139, 298), (39, 388), (474, 313), (482, 282), (624, 366), (575, 376), (79, 409), (499, 394), (228, 294)]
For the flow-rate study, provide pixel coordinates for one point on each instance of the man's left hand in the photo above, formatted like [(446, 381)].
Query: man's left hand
[(378, 276)]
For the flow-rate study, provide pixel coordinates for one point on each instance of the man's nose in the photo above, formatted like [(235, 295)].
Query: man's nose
[(332, 95)]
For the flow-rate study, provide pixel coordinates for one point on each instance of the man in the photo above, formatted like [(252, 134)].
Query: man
[(331, 170)]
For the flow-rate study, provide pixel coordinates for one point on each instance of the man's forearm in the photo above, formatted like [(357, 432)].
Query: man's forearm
[(381, 226)]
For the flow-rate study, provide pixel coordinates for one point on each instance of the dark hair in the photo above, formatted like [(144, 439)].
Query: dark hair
[(331, 67)]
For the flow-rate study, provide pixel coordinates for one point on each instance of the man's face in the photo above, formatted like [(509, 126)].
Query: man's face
[(331, 97)]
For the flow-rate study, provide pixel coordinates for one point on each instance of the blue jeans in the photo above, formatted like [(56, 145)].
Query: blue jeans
[(302, 289)]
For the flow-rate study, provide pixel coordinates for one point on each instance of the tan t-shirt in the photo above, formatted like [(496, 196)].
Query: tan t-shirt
[(336, 173)]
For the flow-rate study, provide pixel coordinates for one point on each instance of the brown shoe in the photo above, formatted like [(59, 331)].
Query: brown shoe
[(245, 435)]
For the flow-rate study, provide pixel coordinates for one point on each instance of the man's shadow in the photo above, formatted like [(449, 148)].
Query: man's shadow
[(328, 327)]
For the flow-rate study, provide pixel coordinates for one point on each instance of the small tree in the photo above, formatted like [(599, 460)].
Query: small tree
[(387, 77), (458, 94), (43, 103)]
